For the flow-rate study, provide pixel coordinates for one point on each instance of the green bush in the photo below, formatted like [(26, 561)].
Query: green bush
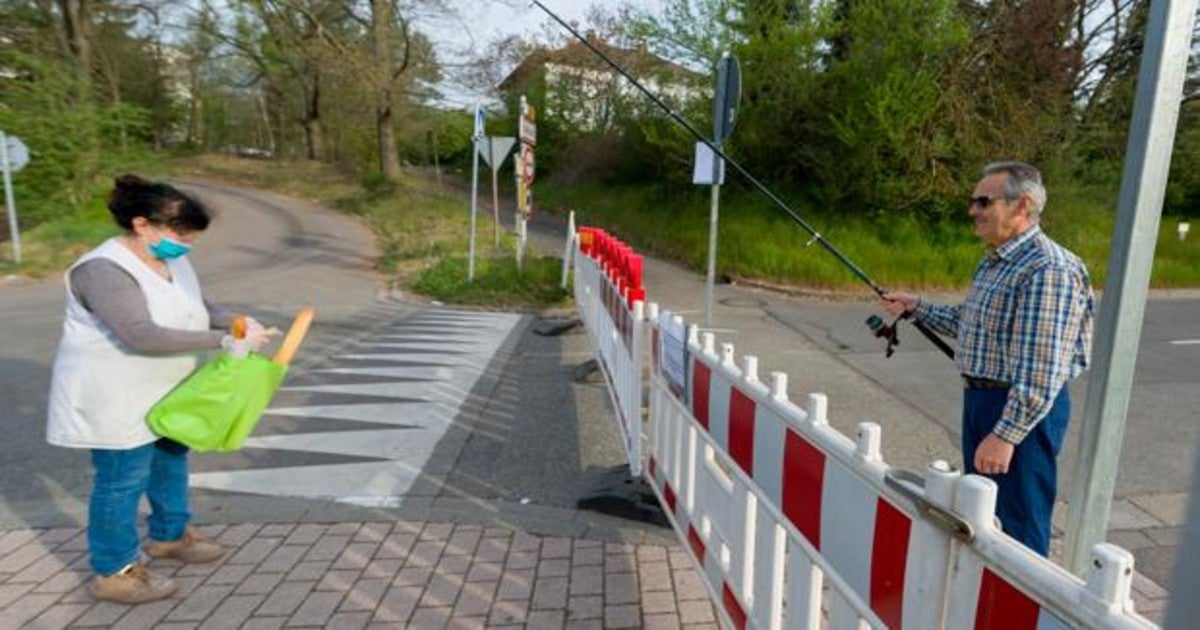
[(497, 282)]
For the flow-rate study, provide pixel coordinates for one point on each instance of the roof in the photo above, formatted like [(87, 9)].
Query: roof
[(637, 61)]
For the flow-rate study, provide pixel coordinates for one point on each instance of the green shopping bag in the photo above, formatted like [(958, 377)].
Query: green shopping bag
[(217, 407)]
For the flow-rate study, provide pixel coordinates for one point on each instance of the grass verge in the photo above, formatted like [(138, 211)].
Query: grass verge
[(55, 244), (757, 240), (52, 245), (497, 282)]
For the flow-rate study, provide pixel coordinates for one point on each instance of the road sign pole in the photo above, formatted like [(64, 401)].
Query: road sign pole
[(520, 182), (495, 191), (711, 278), (727, 93), (1139, 210), (474, 204), (9, 201)]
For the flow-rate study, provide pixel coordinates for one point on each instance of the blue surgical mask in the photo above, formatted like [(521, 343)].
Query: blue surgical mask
[(168, 248)]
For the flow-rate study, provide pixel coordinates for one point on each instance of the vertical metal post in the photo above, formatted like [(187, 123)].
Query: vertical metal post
[(518, 216), (495, 190), (569, 250), (521, 227), (711, 278), (474, 204), (1139, 209), (9, 201)]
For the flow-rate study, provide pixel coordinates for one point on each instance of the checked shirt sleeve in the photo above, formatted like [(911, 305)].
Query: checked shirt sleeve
[(1048, 316), (943, 319)]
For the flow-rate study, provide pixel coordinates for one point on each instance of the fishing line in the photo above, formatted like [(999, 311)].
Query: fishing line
[(816, 236)]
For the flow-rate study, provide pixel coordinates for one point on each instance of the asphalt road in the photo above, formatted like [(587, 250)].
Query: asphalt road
[(1163, 422)]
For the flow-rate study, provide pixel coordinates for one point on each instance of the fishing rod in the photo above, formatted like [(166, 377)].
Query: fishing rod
[(877, 326)]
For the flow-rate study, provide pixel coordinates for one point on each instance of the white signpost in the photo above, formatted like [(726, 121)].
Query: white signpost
[(13, 157), (494, 151), (524, 174), (477, 137)]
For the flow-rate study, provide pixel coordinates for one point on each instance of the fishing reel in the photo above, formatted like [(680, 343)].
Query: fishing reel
[(885, 331)]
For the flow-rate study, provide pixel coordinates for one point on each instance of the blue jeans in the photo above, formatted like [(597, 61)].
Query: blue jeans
[(1025, 500), (158, 470)]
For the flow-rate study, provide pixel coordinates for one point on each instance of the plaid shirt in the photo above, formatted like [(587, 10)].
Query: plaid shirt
[(1027, 320)]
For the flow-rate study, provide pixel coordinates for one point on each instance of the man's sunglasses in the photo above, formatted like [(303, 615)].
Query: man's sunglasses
[(984, 202)]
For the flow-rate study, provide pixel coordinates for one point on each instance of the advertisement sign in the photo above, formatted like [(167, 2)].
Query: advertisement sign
[(525, 159), (673, 351)]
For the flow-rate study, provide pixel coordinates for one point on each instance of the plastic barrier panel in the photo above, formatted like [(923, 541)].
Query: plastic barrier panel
[(608, 294), (998, 583), (794, 525)]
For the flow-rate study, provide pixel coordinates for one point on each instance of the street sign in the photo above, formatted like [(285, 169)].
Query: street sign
[(13, 157), (479, 122), (528, 125), (18, 153), (495, 149), (728, 94), (528, 134)]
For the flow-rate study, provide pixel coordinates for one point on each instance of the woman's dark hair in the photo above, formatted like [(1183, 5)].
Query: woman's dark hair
[(160, 204)]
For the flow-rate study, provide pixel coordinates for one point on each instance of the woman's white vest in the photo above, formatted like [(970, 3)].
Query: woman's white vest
[(101, 389)]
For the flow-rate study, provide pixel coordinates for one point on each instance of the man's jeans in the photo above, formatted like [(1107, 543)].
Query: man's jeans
[(120, 478), (1025, 499)]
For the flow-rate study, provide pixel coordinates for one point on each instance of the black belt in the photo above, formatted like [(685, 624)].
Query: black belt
[(975, 382)]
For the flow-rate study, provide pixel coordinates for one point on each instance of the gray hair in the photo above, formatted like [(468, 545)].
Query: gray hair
[(1023, 179)]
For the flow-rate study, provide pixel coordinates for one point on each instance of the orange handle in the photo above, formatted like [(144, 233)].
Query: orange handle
[(238, 327), (295, 336)]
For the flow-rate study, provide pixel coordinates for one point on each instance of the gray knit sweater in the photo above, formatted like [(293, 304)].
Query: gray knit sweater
[(114, 297)]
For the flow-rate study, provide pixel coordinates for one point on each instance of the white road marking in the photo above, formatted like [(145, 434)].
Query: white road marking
[(1186, 342), (400, 453)]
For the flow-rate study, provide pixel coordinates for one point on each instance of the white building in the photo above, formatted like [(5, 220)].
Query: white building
[(580, 89)]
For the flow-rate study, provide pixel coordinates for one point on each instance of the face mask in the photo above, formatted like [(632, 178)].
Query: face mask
[(167, 248)]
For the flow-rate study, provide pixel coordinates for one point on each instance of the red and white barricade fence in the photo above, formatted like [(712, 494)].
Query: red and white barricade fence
[(794, 525), (609, 296)]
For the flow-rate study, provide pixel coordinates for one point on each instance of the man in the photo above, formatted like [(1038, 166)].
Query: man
[(1024, 332)]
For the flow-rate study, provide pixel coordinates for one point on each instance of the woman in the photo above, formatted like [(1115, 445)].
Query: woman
[(136, 322)]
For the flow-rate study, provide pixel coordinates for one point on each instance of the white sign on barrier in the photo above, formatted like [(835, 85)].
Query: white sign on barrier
[(672, 348)]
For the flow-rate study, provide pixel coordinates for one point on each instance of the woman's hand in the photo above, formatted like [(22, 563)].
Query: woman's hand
[(255, 337), (258, 337)]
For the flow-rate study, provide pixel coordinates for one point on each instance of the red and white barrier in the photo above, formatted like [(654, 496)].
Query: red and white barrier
[(609, 297), (998, 583), (793, 524), (785, 499)]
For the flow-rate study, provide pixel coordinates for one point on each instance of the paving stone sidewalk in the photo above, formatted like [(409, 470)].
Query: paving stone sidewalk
[(374, 575)]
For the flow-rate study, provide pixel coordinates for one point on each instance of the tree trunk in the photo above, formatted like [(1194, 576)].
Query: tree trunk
[(313, 133), (266, 120), (314, 137), (389, 157), (382, 18), (195, 128), (77, 21)]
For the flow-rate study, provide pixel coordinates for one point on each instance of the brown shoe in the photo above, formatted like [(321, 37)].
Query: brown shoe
[(191, 549), (133, 585)]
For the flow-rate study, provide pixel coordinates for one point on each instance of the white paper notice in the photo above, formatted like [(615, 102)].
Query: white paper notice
[(703, 171)]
